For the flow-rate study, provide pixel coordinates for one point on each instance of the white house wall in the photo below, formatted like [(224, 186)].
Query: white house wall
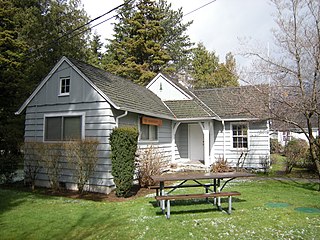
[(99, 122), (258, 144), (165, 90)]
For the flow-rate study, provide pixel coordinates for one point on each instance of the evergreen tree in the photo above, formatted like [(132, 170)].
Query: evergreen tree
[(95, 51), (142, 46), (32, 39), (46, 26), (175, 39), (12, 50), (207, 72)]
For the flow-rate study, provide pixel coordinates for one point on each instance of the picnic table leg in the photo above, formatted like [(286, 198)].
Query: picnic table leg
[(219, 201), (162, 202), (230, 205), (215, 190), (168, 209)]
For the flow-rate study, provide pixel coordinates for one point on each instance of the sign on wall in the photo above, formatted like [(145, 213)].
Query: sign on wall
[(151, 121)]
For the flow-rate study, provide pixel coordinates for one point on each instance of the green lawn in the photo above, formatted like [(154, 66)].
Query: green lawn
[(25, 215)]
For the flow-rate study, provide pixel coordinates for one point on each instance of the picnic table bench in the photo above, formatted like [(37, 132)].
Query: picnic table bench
[(216, 192), (167, 199)]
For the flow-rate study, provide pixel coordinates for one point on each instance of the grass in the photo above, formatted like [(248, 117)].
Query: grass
[(25, 215)]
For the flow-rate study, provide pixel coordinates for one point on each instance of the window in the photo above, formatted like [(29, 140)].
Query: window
[(148, 132), (64, 86), (62, 128), (240, 135)]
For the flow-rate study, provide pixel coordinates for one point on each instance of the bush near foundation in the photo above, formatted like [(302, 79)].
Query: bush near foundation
[(150, 162), (123, 143), (82, 155)]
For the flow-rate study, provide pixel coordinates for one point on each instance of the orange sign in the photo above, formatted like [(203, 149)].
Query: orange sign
[(151, 121)]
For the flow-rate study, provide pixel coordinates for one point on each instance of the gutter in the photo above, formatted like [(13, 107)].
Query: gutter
[(120, 116)]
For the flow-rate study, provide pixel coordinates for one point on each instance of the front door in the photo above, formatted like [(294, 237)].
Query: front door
[(195, 142)]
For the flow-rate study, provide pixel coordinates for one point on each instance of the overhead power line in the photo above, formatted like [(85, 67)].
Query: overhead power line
[(199, 8)]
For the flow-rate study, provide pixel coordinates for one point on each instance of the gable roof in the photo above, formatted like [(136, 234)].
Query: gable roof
[(121, 93), (173, 83), (244, 102)]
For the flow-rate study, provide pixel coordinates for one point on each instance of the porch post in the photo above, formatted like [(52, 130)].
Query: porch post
[(206, 142), (175, 126)]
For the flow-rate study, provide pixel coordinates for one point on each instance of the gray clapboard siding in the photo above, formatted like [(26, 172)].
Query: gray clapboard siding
[(99, 122)]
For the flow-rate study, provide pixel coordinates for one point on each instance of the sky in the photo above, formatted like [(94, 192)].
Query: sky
[(222, 26)]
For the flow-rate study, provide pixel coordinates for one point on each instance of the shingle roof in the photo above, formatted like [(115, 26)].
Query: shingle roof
[(123, 93), (236, 102), (187, 109), (227, 103)]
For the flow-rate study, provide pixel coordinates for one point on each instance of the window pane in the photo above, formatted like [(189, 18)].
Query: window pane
[(153, 132), (72, 128), (53, 128), (65, 85), (144, 132), (240, 136)]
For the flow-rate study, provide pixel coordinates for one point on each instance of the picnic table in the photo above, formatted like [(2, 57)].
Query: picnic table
[(213, 189)]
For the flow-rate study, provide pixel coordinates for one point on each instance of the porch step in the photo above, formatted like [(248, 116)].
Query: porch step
[(187, 165)]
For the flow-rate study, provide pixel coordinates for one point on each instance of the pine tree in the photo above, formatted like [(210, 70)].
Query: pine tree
[(141, 46), (207, 72), (12, 50), (95, 51), (46, 25)]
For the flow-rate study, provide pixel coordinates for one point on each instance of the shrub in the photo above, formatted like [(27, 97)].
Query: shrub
[(123, 143), (150, 162), (275, 146), (51, 156), (32, 164), (296, 152), (221, 165), (82, 155)]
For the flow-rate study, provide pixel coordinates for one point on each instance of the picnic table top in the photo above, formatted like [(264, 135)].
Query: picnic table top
[(197, 176)]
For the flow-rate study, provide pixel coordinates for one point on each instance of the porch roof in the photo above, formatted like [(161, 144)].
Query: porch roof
[(187, 109)]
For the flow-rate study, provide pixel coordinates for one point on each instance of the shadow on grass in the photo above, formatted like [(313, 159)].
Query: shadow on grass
[(10, 198), (312, 186), (196, 202)]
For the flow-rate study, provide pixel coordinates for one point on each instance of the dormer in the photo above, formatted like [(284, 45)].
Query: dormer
[(167, 90)]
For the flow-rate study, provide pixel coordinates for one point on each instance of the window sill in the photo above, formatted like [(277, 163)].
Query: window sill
[(148, 141), (240, 150), (64, 95)]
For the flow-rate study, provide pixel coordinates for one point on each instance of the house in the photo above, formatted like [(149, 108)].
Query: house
[(76, 99), (284, 132)]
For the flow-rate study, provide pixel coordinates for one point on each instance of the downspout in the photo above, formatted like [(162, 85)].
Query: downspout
[(120, 116)]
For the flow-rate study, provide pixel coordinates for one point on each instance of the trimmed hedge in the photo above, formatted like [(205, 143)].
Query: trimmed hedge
[(123, 143)]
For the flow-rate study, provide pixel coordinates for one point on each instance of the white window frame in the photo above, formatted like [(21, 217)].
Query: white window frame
[(148, 140), (77, 114), (248, 135), (60, 86)]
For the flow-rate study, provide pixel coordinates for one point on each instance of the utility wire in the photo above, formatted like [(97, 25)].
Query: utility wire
[(95, 19), (199, 8)]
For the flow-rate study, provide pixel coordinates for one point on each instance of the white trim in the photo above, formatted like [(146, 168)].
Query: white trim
[(65, 114), (231, 136), (60, 94)]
